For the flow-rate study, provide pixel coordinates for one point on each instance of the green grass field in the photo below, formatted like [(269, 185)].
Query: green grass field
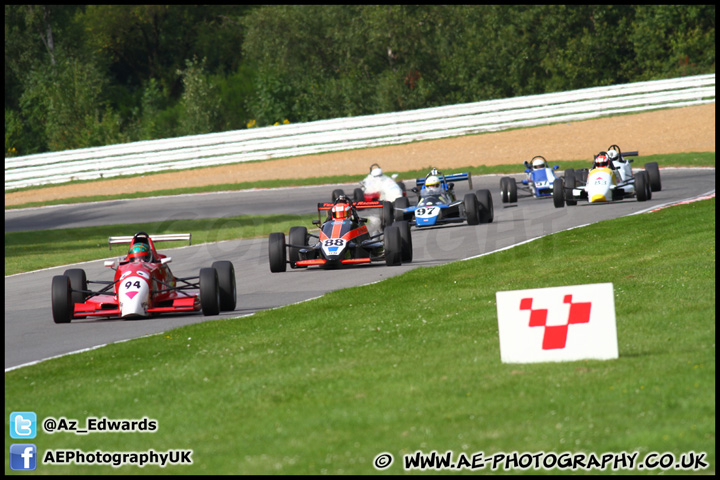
[(412, 363), (706, 159)]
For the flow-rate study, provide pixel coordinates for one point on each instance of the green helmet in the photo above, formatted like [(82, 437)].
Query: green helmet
[(139, 251)]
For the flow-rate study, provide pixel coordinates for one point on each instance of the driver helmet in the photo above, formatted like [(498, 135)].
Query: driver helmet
[(602, 160), (538, 163), (341, 210), (432, 184), (376, 171), (139, 252), (613, 154)]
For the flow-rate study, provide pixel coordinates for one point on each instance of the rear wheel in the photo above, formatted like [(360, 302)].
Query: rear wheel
[(401, 202), (558, 194), (569, 173), (641, 186), (226, 284), (393, 246), (653, 172), (276, 252), (387, 214), (406, 240), (487, 211), (336, 193), (358, 195), (504, 192), (297, 236), (78, 284), (61, 299), (209, 291), (471, 209)]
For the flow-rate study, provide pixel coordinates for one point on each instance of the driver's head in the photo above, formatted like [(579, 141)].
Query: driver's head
[(432, 182), (538, 163), (602, 160), (139, 252), (342, 208)]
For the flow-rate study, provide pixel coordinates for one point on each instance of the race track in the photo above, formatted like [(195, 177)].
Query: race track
[(31, 335)]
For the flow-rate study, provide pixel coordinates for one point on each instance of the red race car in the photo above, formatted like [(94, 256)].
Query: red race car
[(143, 286), (344, 239)]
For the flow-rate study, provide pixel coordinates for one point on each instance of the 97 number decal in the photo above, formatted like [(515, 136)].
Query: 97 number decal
[(426, 211)]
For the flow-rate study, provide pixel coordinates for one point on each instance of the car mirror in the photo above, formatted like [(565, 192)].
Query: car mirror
[(362, 219), (629, 160), (316, 222), (451, 185), (556, 167), (414, 190), (527, 165), (165, 260), (110, 263), (528, 170)]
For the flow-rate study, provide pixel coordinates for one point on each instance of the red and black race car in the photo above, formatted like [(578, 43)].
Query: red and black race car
[(344, 239), (143, 286)]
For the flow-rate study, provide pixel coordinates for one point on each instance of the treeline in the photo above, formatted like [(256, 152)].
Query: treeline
[(88, 75)]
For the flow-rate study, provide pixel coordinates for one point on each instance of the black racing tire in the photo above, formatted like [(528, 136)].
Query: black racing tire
[(336, 193), (653, 172), (297, 236), (472, 209), (393, 246), (641, 186), (209, 291), (504, 190), (485, 201), (402, 187), (569, 173), (227, 285), (277, 252), (388, 214), (406, 240), (558, 193), (63, 307), (78, 282), (358, 195), (569, 185), (400, 202), (512, 190)]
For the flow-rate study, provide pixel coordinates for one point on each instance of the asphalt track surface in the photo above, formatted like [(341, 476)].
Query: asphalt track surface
[(31, 335)]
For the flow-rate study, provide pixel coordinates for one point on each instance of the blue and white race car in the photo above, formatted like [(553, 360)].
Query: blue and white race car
[(437, 204), (539, 181)]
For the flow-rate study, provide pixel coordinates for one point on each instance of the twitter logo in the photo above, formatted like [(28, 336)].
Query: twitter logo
[(23, 425)]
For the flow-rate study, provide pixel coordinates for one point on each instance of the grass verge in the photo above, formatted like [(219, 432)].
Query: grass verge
[(412, 363), (706, 159)]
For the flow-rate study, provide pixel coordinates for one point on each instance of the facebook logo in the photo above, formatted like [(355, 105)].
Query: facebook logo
[(23, 425), (23, 456)]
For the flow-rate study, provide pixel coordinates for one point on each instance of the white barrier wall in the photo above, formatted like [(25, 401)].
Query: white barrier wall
[(354, 132)]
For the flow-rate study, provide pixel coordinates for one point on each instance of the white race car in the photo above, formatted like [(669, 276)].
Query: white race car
[(376, 187), (610, 178)]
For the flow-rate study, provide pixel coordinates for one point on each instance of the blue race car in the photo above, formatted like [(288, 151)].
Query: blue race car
[(437, 204), (539, 181)]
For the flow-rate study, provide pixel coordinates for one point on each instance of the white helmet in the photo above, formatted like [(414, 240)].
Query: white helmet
[(538, 163), (432, 181), (376, 172), (613, 154)]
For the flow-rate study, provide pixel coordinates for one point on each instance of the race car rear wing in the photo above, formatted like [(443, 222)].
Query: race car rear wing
[(454, 177), (169, 237), (325, 206)]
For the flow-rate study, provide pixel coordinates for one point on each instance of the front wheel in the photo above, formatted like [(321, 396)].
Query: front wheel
[(226, 284), (642, 186), (209, 291), (297, 236), (558, 194), (504, 192), (471, 209), (277, 252), (61, 299), (569, 186), (336, 193), (393, 246), (78, 284), (406, 240)]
